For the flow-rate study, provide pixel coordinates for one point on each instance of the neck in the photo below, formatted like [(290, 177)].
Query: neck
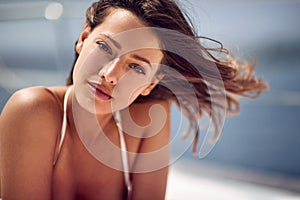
[(85, 121)]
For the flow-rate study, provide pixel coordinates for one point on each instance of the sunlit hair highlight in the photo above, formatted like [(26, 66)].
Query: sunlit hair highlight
[(238, 78)]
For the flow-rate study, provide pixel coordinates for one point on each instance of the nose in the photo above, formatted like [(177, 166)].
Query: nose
[(110, 72)]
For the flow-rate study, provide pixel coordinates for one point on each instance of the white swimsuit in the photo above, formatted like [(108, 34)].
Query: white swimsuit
[(122, 142)]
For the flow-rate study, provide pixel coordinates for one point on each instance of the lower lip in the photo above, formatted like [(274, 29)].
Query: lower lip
[(99, 94)]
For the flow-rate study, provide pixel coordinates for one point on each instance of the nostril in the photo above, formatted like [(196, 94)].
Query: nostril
[(105, 78)]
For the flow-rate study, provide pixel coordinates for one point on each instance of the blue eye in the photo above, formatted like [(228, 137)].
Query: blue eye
[(137, 68), (105, 47)]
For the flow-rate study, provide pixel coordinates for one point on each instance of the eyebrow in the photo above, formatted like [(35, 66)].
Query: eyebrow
[(111, 40), (119, 47), (142, 59)]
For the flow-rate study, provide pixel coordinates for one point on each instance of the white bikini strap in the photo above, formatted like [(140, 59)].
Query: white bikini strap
[(123, 152), (64, 123)]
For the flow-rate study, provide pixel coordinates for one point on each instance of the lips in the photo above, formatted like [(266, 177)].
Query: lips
[(100, 91)]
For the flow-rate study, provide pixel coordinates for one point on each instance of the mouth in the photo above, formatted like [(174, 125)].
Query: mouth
[(99, 90)]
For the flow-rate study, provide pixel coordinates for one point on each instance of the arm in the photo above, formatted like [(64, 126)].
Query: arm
[(151, 184), (27, 130)]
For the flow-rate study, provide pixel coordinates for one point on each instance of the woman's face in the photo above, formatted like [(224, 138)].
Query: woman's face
[(117, 62)]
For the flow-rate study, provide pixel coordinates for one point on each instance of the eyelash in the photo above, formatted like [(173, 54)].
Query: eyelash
[(105, 47), (137, 68), (108, 50)]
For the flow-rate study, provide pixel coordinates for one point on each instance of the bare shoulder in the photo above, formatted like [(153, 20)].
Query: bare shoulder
[(33, 109), (29, 126), (153, 157), (32, 98), (145, 112), (154, 117)]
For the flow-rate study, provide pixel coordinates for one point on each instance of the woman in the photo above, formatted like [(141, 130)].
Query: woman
[(94, 139)]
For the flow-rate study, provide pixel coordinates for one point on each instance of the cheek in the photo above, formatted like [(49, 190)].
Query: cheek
[(135, 94), (89, 64), (75, 72), (87, 59), (125, 98), (130, 89), (126, 91), (78, 65), (133, 84)]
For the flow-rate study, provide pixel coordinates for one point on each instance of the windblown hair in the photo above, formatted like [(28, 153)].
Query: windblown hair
[(238, 79)]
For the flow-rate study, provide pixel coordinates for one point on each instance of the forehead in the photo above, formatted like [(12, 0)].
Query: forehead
[(120, 20), (129, 32)]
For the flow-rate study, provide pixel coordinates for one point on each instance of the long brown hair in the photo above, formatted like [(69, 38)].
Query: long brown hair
[(238, 79)]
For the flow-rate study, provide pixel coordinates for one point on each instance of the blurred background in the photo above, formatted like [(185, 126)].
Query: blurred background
[(257, 156)]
